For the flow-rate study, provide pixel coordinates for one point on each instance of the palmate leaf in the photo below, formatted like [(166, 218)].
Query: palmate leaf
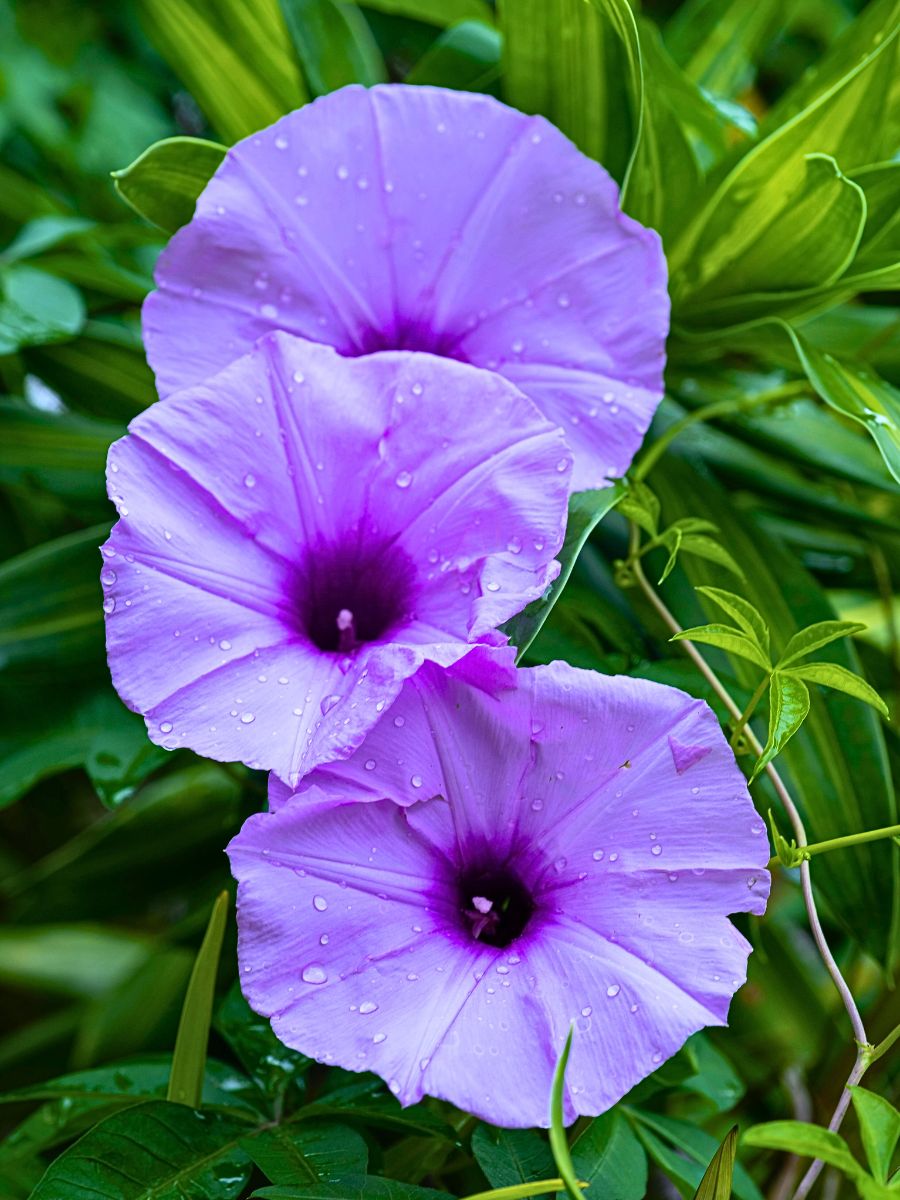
[(838, 782), (742, 611), (788, 709)]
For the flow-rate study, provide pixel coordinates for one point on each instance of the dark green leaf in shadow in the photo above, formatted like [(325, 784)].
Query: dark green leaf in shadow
[(164, 183)]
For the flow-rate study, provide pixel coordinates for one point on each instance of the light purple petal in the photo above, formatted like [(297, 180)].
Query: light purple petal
[(416, 218), (297, 485), (563, 782)]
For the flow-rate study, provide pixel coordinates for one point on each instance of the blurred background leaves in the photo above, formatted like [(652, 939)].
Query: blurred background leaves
[(761, 140)]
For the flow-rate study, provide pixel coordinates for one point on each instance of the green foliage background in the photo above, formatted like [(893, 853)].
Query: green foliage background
[(761, 138)]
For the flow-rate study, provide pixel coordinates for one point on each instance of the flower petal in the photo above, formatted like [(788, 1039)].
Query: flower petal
[(351, 222)]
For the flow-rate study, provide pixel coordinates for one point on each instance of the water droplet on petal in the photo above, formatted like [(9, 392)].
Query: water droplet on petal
[(370, 764), (109, 604), (613, 990), (378, 1038), (250, 481), (597, 855), (247, 718), (416, 781), (367, 1007), (313, 973), (320, 903), (403, 480), (165, 727), (328, 704)]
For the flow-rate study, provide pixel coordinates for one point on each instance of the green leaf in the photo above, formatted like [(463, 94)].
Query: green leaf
[(272, 1066), (716, 1182), (559, 1145), (333, 43), (717, 41), (73, 960), (586, 511), (43, 233), (742, 611), (684, 1152), (727, 638), (834, 676), (511, 1156), (788, 708), (465, 56), (360, 1187), (519, 1191), (369, 1103), (444, 13), (50, 603), (235, 59), (189, 1058), (858, 393), (164, 183), (673, 539), (153, 1151), (814, 637), (767, 254), (879, 1126), (637, 503), (609, 1158), (711, 549), (310, 1152), (558, 58), (810, 1141), (836, 766), (60, 452), (37, 308)]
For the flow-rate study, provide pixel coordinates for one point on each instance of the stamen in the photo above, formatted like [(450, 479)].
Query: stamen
[(482, 904), (346, 631)]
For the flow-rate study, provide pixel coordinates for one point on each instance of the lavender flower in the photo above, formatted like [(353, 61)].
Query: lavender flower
[(301, 533), (416, 218), (553, 847)]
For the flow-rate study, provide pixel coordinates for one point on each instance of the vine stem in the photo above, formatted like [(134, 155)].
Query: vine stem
[(809, 900)]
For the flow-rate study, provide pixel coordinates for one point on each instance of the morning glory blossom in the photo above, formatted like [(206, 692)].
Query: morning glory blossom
[(399, 217), (302, 532), (533, 849)]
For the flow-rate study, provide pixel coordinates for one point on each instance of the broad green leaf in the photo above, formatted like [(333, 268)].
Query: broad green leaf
[(235, 59), (814, 637), (189, 1057), (742, 611), (711, 549), (877, 262), (272, 1066), (790, 172), (716, 1182), (856, 392), (511, 1156), (88, 728), (879, 1126), (464, 56), (312, 1153), (836, 766), (810, 1141), (444, 13), (798, 233), (51, 604), (788, 709), (834, 676), (716, 1077), (560, 58), (559, 1145), (609, 1158), (153, 1151), (333, 43), (43, 233), (36, 308), (164, 183), (359, 1187), (586, 511), (726, 638)]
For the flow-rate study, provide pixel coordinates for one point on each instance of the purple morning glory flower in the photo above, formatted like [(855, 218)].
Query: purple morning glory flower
[(302, 532), (413, 218), (563, 846)]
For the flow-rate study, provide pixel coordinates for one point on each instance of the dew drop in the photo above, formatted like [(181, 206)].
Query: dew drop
[(403, 480), (399, 722), (165, 727), (109, 604), (320, 903), (313, 973), (378, 1038), (416, 781), (247, 718), (613, 990), (586, 1011), (370, 764), (249, 481), (328, 704), (367, 1007), (108, 577), (657, 849), (597, 855)]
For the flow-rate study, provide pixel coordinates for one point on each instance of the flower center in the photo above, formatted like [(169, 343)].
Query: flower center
[(349, 594), (495, 905)]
